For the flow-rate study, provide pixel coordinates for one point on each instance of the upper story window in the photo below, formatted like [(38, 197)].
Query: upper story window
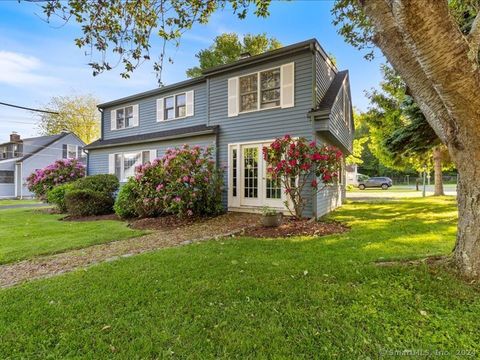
[(266, 89), (16, 150), (3, 152), (175, 106), (249, 92), (270, 88), (180, 105), (169, 108), (124, 117), (267, 83)]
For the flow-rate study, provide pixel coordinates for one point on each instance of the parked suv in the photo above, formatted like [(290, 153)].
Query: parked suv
[(373, 182)]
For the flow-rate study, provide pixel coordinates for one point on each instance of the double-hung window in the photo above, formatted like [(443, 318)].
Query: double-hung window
[(249, 92), (260, 90), (180, 105), (124, 117), (123, 165), (175, 106), (72, 151), (267, 89), (169, 108)]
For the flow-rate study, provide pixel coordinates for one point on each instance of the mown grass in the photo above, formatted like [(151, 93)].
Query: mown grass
[(27, 232), (7, 202), (248, 298)]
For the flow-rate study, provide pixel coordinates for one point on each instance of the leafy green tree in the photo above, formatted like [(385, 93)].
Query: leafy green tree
[(76, 113), (228, 48), (119, 32), (361, 137), (434, 47)]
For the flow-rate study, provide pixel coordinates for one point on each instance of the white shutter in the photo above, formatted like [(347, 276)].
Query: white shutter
[(113, 120), (160, 109), (287, 94), (189, 101), (233, 97), (111, 163), (153, 155), (135, 118)]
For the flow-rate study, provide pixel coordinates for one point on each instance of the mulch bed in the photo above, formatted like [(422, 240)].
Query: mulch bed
[(164, 222), (91, 218), (292, 227)]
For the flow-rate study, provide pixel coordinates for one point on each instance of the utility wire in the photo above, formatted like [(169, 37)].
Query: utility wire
[(30, 109)]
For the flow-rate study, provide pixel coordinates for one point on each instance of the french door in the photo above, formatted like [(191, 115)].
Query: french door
[(250, 185)]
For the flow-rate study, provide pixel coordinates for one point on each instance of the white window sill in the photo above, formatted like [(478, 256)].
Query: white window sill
[(174, 119), (252, 111)]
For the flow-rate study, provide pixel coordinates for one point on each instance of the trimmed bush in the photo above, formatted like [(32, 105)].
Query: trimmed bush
[(56, 196), (60, 172), (104, 183), (125, 203), (88, 202)]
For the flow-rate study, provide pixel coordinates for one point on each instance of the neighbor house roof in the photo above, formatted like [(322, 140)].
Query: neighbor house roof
[(179, 133), (41, 143)]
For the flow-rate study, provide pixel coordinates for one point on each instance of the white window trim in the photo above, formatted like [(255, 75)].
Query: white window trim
[(259, 91), (122, 161), (234, 202), (134, 107), (175, 106)]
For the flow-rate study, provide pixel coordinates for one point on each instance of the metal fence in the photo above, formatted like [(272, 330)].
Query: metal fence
[(411, 180)]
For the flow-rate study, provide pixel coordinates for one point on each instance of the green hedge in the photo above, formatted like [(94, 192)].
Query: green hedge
[(104, 183), (88, 202), (125, 203), (56, 196)]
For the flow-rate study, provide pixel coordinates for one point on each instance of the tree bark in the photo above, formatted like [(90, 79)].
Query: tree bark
[(437, 168), (467, 247), (426, 47)]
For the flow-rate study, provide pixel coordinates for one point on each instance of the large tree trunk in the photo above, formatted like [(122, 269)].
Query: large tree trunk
[(467, 247), (440, 65), (437, 168)]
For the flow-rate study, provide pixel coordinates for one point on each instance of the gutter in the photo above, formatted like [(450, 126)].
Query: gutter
[(161, 138)]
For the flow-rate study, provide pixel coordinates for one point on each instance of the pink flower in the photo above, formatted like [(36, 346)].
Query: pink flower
[(160, 187), (314, 183), (189, 212)]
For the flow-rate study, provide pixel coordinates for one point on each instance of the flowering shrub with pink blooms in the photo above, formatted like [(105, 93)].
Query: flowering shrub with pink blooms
[(184, 182), (60, 172), (296, 162)]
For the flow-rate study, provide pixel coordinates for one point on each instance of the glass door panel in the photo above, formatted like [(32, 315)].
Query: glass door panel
[(250, 172)]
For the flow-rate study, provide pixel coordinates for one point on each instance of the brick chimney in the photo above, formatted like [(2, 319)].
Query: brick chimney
[(14, 137)]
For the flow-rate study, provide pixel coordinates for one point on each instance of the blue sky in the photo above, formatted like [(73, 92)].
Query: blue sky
[(38, 60)]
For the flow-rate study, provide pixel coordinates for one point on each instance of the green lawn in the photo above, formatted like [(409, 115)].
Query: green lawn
[(27, 232), (18, 202), (248, 298)]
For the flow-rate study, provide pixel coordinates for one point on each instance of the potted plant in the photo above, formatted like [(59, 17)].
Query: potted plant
[(271, 217)]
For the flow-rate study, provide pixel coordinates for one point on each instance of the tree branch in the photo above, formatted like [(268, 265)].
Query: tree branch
[(474, 39)]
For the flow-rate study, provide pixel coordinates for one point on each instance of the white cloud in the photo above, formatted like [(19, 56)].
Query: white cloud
[(19, 69)]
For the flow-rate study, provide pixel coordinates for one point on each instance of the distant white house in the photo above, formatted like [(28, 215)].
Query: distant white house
[(20, 157)]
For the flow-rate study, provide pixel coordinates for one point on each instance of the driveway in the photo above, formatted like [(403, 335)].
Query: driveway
[(399, 191)]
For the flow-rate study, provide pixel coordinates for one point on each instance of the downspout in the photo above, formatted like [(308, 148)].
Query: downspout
[(312, 117)]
